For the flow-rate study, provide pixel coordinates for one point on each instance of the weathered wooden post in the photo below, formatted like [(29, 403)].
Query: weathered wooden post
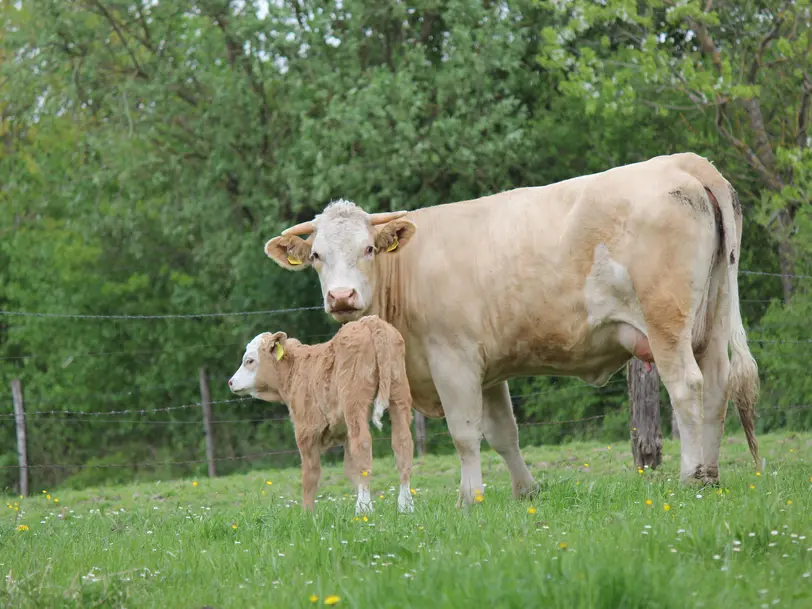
[(420, 433), (644, 422), (205, 402), (22, 447)]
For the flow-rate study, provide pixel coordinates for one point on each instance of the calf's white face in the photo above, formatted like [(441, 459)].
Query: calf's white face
[(342, 248), (258, 375), (243, 382)]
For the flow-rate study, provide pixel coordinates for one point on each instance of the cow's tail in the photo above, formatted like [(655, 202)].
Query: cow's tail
[(383, 358), (743, 382)]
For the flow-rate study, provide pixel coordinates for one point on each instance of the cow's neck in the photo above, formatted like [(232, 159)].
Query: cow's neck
[(388, 301)]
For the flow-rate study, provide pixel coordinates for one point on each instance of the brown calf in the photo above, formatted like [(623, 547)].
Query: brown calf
[(328, 389)]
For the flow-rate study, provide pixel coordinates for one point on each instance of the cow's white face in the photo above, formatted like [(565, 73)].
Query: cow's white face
[(342, 248)]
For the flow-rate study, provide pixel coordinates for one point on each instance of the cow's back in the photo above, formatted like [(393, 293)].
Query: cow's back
[(515, 263)]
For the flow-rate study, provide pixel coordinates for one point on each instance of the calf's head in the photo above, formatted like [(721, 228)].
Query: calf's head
[(259, 374), (343, 244)]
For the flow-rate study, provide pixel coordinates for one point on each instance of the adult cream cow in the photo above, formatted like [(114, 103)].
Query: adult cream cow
[(573, 278)]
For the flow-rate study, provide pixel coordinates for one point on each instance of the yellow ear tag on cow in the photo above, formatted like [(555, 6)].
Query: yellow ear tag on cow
[(394, 246), (279, 351), (293, 260)]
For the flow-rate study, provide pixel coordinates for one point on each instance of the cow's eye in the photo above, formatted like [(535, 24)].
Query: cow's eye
[(314, 256), (249, 361), (369, 250)]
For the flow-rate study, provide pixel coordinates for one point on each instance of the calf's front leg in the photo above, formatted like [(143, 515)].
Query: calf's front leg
[(311, 470)]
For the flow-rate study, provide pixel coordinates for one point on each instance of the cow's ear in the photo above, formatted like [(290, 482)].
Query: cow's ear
[(394, 235), (289, 251)]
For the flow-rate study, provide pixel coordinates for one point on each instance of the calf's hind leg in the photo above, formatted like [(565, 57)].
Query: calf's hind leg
[(400, 414), (359, 442)]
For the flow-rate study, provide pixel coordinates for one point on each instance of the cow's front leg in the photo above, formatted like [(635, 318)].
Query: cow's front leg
[(456, 377)]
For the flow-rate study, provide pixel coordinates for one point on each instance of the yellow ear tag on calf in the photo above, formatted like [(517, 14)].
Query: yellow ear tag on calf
[(394, 246), (293, 260), (278, 351)]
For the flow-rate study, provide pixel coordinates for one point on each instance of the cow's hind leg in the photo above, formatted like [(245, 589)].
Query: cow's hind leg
[(400, 414), (460, 389), (715, 367), (502, 434)]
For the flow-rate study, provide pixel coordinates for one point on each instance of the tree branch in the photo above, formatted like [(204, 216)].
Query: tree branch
[(752, 159), (114, 24), (803, 113), (757, 60)]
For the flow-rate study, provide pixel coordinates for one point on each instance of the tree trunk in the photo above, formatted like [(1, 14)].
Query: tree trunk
[(644, 403)]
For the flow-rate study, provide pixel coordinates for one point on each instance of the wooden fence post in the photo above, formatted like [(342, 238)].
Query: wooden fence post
[(420, 433), (22, 447), (644, 422), (205, 402)]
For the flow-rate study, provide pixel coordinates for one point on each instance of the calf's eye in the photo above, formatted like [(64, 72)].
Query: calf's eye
[(314, 256), (369, 250)]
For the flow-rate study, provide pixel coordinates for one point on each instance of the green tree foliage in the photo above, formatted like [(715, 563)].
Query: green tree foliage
[(150, 150)]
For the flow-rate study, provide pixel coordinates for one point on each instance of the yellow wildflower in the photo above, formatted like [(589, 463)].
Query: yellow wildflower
[(414, 492), (48, 497), (789, 501), (268, 482), (639, 470), (365, 473), (22, 527), (263, 493), (562, 545), (479, 497), (752, 486), (531, 510), (586, 464), (381, 496), (234, 525), (365, 519), (332, 599), (649, 502), (666, 507), (313, 598), (758, 473), (56, 499), (194, 483), (44, 492)]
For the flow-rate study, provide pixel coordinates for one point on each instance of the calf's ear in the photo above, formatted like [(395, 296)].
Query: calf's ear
[(276, 345), (394, 235), (289, 251)]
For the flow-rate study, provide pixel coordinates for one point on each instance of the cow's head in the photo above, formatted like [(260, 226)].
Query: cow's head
[(344, 241), (260, 374)]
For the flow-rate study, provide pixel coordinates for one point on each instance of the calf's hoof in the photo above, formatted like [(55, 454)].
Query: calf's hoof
[(363, 507)]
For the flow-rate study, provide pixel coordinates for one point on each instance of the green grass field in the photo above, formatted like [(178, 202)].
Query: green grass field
[(601, 534)]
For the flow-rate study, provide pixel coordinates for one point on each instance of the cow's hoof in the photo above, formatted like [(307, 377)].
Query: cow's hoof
[(527, 493)]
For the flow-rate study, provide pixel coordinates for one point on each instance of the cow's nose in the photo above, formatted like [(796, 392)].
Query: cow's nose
[(340, 294), (230, 383)]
